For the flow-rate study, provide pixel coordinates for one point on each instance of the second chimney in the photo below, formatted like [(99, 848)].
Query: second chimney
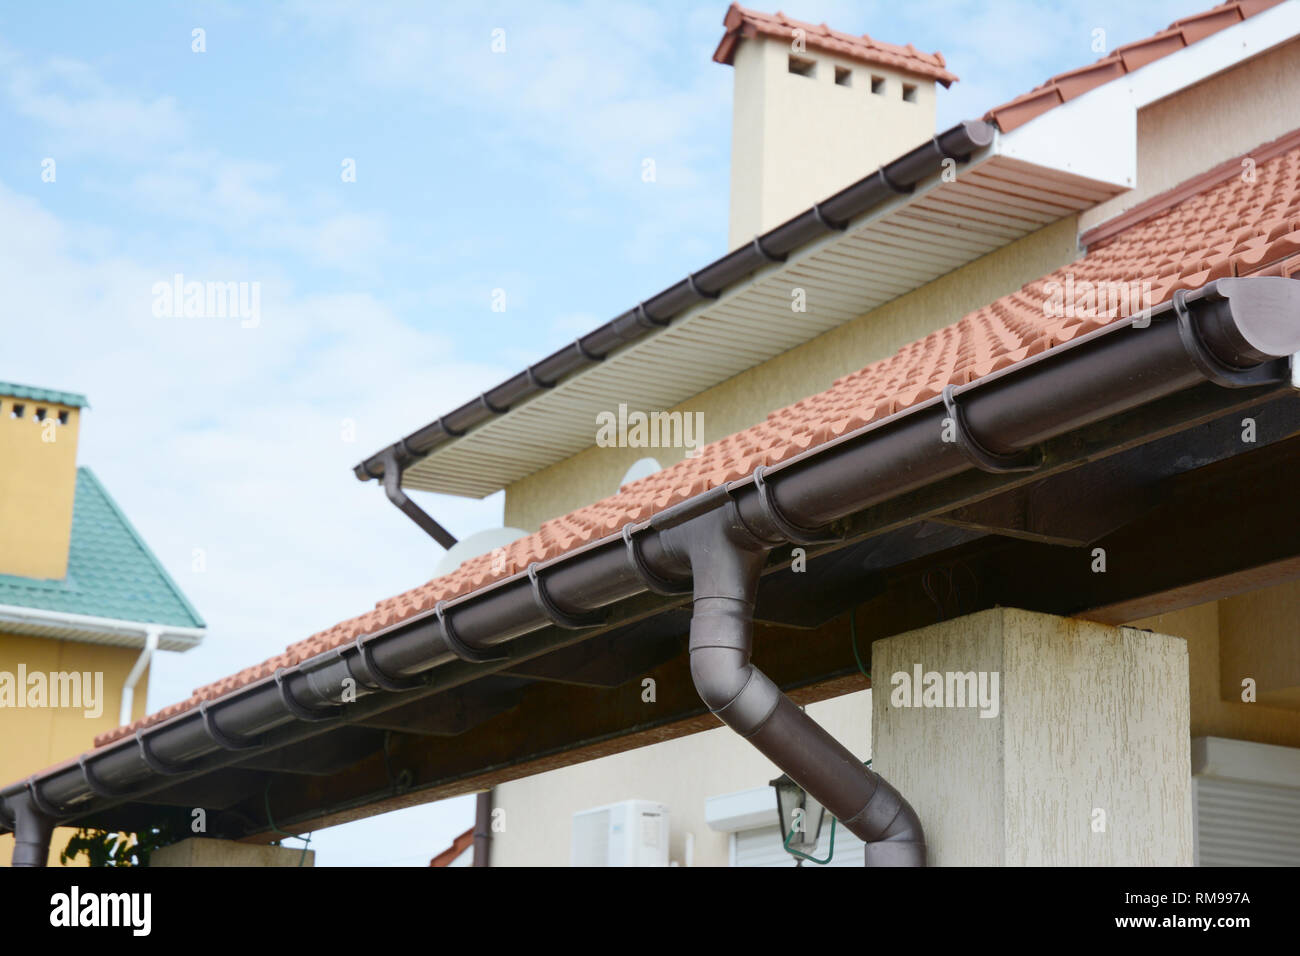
[(815, 110)]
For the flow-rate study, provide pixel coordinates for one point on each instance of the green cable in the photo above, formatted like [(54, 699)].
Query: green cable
[(812, 859), (306, 840), (853, 636)]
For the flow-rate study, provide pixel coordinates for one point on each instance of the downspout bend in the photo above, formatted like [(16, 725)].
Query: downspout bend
[(726, 560)]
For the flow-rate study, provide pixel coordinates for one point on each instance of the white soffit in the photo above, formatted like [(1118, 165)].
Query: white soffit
[(88, 629), (895, 248)]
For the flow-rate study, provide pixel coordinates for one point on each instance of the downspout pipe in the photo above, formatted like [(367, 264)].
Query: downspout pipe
[(726, 558), (32, 828), (392, 481), (483, 829), (151, 637)]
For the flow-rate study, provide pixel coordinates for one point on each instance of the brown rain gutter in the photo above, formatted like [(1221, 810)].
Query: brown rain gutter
[(1235, 333)]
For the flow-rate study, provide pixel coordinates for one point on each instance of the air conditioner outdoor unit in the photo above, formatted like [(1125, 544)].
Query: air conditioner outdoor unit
[(631, 833)]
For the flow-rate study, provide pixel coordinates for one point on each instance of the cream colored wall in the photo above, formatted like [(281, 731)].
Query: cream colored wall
[(1092, 720), (1210, 123), (798, 139), (34, 739), (38, 481), (203, 851), (746, 399), (1247, 618), (679, 773)]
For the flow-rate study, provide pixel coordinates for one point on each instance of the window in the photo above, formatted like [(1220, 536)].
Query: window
[(63, 417), (40, 415), (17, 411), (878, 85), (843, 76), (909, 92), (801, 66)]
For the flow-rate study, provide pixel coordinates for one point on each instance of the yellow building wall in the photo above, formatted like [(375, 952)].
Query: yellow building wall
[(1217, 708), (38, 482), (32, 739)]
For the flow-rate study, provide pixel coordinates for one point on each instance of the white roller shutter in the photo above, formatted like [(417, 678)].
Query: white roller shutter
[(1246, 824), (1247, 803)]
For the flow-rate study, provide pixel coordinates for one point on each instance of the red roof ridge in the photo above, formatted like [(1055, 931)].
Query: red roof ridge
[(458, 846), (742, 23), (1122, 60)]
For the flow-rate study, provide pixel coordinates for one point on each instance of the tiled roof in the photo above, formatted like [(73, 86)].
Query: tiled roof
[(1122, 60), (458, 846), (111, 571), (742, 23), (1232, 228), (35, 394)]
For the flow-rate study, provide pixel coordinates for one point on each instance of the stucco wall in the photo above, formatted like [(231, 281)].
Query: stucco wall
[(1085, 762), (1215, 714), (38, 481), (680, 773), (798, 139), (32, 739)]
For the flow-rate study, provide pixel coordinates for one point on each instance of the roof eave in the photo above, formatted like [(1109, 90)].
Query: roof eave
[(63, 625)]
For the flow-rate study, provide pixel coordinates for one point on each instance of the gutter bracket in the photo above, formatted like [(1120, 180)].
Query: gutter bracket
[(220, 737), (556, 615), (377, 676), (97, 786), (652, 581), (393, 489), (777, 519), (296, 707), (471, 655), (154, 762), (1029, 460)]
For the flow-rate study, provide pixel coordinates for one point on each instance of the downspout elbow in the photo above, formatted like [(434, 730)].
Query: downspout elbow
[(726, 568)]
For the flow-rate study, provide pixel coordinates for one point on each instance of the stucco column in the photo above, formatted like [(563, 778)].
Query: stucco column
[(1043, 741), (202, 851)]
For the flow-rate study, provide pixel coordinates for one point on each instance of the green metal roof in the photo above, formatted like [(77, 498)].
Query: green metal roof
[(32, 393), (111, 571)]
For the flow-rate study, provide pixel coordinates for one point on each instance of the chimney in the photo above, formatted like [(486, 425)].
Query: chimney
[(38, 479), (815, 110)]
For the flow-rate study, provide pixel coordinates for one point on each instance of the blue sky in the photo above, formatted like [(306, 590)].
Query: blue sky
[(518, 170)]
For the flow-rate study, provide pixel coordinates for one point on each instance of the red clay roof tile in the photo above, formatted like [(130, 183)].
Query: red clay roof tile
[(742, 23), (1227, 227), (1244, 227), (1122, 60)]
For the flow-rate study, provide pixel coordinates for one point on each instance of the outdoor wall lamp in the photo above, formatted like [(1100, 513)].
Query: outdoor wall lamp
[(800, 817)]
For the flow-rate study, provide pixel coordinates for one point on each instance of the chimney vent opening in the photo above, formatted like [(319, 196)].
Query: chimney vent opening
[(801, 66), (843, 76), (878, 85), (909, 92)]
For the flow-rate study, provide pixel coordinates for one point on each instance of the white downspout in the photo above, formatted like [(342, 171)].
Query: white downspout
[(152, 633)]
